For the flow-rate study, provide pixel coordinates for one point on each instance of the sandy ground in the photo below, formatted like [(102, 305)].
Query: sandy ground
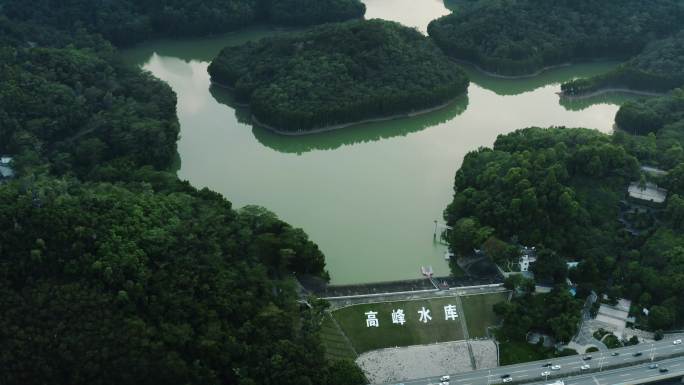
[(400, 364), (485, 354)]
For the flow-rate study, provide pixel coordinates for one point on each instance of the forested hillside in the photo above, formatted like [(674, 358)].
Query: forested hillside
[(557, 189), (659, 68), (514, 37), (654, 275), (338, 73), (125, 22), (653, 129), (563, 191), (112, 271), (67, 106), (102, 284), (536, 178)]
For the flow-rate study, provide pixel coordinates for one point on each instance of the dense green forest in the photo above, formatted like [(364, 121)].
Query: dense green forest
[(338, 73), (103, 284), (651, 115), (659, 68), (514, 37), (556, 313), (655, 272), (562, 190), (111, 269), (67, 106), (125, 22), (534, 179)]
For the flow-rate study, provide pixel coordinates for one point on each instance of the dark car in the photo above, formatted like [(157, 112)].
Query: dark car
[(505, 376), (637, 354), (546, 365), (664, 370), (586, 358)]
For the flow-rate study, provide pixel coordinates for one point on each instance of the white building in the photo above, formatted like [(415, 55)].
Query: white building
[(6, 171), (528, 255), (650, 192)]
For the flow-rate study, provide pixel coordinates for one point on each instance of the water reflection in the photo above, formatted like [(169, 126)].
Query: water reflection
[(331, 140), (411, 13), (614, 98), (516, 86), (370, 203), (200, 49)]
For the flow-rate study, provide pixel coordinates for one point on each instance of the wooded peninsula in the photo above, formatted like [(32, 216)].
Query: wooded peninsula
[(337, 74), (517, 37)]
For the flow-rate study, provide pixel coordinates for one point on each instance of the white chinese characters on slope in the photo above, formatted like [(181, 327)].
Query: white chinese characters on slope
[(424, 315), (450, 313), (372, 319), (399, 317)]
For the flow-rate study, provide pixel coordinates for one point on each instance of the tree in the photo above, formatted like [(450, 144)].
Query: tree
[(344, 372), (660, 317), (467, 235), (550, 267)]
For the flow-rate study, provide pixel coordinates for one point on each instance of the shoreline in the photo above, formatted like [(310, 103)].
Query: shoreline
[(229, 88), (608, 90), (511, 77), (334, 127)]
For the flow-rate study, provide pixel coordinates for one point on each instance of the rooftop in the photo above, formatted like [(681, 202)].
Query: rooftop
[(653, 170), (650, 192), (5, 169)]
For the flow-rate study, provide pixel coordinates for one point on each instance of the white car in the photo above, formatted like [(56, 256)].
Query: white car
[(546, 373), (445, 378), (676, 342), (585, 367), (555, 367), (444, 383), (508, 379)]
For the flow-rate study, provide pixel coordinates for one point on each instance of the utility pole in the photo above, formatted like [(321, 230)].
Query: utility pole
[(601, 362)]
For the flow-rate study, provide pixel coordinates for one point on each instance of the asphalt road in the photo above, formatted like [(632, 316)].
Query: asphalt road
[(570, 368)]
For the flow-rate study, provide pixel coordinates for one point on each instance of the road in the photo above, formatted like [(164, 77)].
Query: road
[(603, 366)]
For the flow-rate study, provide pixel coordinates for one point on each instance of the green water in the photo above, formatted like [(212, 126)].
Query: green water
[(368, 195)]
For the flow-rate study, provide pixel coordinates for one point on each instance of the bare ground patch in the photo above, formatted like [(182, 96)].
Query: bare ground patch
[(401, 364)]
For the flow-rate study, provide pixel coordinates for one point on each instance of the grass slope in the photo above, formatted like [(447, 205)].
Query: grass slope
[(479, 314), (353, 321), (336, 345)]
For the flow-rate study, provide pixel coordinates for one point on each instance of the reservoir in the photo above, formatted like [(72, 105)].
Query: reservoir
[(367, 195)]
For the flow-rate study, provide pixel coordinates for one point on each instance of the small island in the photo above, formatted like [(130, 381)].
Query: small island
[(525, 37), (337, 75), (659, 68)]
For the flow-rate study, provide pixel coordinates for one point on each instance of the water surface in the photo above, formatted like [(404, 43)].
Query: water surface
[(367, 195)]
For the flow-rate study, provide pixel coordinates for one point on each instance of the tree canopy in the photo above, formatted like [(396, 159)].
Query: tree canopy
[(338, 73), (535, 179), (514, 37), (103, 284), (73, 109), (660, 68), (112, 271), (124, 22)]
